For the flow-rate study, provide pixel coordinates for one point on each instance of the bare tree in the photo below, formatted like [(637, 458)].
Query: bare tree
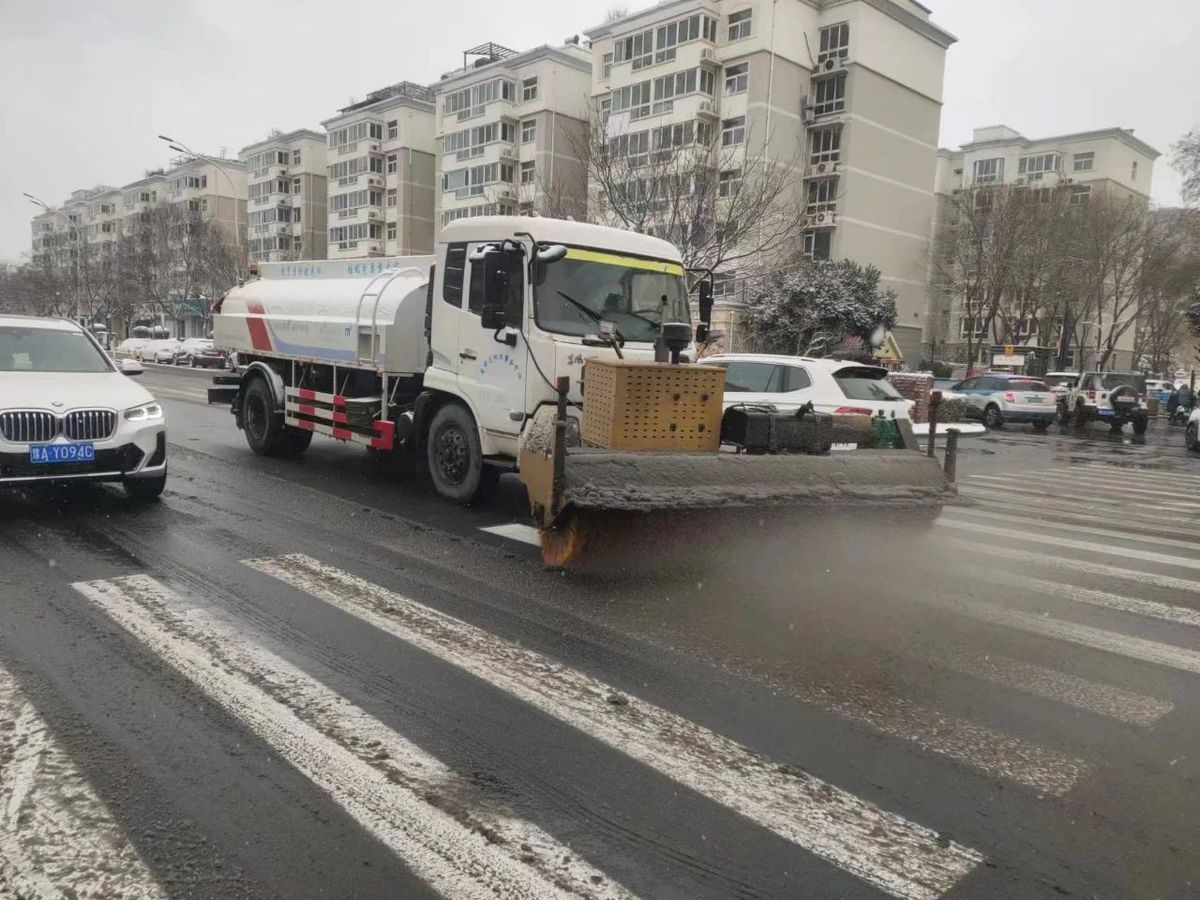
[(615, 14), (722, 200), (1185, 158), (1171, 274)]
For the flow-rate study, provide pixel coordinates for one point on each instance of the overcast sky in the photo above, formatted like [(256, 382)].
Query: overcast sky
[(86, 86)]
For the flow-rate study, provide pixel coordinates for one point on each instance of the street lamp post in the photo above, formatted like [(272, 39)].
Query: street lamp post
[(78, 241), (181, 147)]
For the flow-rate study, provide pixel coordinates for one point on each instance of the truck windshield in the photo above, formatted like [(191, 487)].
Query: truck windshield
[(575, 293), (49, 350)]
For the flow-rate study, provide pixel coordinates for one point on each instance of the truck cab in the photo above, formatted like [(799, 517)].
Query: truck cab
[(519, 302)]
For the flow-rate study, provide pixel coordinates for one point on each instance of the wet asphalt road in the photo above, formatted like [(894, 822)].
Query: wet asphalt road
[(313, 679)]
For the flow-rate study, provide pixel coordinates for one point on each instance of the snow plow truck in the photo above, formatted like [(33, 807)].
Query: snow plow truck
[(556, 349)]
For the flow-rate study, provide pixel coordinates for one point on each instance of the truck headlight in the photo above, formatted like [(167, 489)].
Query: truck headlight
[(144, 413)]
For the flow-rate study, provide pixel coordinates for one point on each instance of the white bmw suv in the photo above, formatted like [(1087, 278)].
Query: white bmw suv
[(68, 413)]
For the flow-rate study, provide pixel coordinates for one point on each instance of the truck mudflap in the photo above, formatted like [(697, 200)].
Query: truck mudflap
[(583, 498)]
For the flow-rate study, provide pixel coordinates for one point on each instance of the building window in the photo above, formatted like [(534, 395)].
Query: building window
[(826, 146), (296, 214), (739, 25), (295, 157), (1081, 194), (1133, 171), (1083, 162), (633, 97), (737, 78), (818, 244), (729, 182), (529, 89), (666, 37), (527, 172), (835, 42), (733, 131), (391, 231), (972, 327), (637, 49), (391, 163), (608, 63), (393, 129), (528, 131), (830, 96), (1023, 329), (989, 171), (391, 197), (1034, 167), (822, 196)]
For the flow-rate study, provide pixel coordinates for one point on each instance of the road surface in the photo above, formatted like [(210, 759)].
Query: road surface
[(312, 679)]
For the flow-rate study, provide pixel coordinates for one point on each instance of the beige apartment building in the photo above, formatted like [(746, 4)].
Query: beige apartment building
[(215, 188), (90, 217), (849, 92), (285, 196), (510, 127), (381, 166), (1086, 163)]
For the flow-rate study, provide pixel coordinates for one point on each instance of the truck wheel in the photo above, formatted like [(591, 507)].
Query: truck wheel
[(455, 458), (992, 417)]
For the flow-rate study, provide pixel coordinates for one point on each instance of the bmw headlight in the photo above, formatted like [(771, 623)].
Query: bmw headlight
[(144, 413)]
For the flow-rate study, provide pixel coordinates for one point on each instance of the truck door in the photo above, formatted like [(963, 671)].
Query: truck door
[(491, 373)]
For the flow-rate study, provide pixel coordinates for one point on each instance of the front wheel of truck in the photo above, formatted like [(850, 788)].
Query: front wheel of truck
[(455, 458)]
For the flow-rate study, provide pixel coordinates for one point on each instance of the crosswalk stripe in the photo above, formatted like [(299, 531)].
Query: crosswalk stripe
[(57, 838), (1076, 565), (1145, 475), (1125, 645), (1115, 479), (1071, 544), (993, 497), (1177, 615), (455, 858), (1108, 500), (515, 531), (897, 856), (1051, 684), (970, 512), (1109, 486), (1141, 527)]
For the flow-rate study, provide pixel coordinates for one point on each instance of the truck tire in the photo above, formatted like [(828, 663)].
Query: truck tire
[(454, 456), (266, 434)]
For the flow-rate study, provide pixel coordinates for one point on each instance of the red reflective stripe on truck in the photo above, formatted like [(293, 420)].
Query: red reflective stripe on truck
[(339, 400), (307, 410), (341, 417), (381, 443), (308, 426), (341, 434), (305, 394), (386, 429), (259, 338)]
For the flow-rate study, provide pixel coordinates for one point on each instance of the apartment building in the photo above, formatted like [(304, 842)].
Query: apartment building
[(286, 196), (510, 130), (381, 169), (1084, 163), (848, 92), (88, 217), (215, 188)]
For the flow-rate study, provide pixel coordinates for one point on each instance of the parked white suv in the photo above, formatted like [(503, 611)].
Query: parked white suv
[(1112, 397), (789, 382), (68, 413)]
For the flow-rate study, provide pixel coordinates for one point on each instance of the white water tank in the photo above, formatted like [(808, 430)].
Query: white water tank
[(364, 313)]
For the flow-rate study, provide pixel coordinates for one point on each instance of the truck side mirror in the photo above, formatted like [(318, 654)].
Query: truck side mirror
[(705, 301)]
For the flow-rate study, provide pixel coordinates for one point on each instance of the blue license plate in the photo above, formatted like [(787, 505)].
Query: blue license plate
[(62, 453)]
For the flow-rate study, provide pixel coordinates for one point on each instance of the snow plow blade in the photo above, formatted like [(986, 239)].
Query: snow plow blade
[(586, 499)]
